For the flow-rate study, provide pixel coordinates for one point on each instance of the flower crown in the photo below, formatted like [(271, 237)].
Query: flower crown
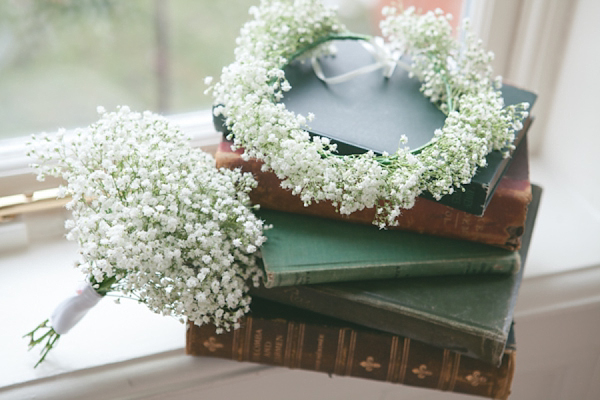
[(456, 77)]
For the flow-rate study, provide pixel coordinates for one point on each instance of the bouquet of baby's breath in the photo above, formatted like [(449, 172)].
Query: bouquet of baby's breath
[(155, 221)]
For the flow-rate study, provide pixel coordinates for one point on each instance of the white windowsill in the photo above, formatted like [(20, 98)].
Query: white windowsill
[(125, 351), (567, 230), (34, 279)]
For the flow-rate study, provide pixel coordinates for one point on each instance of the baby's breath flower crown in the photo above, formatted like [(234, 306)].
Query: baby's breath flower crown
[(455, 77)]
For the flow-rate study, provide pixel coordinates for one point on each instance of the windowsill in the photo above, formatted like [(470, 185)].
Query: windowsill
[(567, 231), (34, 279), (123, 348)]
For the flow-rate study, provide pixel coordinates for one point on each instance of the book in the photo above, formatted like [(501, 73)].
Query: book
[(302, 249), (370, 112), (502, 224), (288, 337), (469, 314)]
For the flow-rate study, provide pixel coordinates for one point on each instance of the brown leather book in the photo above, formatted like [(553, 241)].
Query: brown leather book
[(284, 336), (501, 225)]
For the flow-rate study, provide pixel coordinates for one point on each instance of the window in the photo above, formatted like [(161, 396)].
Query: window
[(60, 60), (545, 46), (153, 55)]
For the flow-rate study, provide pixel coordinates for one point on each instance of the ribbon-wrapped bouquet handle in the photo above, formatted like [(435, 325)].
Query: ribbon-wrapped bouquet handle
[(71, 310), (64, 317)]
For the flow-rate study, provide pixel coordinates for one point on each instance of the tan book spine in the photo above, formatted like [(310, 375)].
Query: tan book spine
[(502, 224), (353, 352)]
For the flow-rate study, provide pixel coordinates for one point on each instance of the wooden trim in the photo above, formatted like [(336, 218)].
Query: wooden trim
[(9, 212)]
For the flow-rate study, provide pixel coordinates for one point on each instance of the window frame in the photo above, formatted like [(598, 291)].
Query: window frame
[(546, 292)]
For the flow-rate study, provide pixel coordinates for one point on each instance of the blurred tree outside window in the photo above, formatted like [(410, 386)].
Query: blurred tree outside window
[(60, 59)]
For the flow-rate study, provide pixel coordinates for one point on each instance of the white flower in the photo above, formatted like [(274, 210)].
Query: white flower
[(151, 234)]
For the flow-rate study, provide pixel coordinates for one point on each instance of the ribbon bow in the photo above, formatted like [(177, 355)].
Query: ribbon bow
[(384, 58)]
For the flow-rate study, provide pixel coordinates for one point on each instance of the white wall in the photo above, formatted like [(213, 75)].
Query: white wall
[(572, 137)]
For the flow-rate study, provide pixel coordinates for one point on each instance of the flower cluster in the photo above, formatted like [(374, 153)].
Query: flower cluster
[(155, 218), (456, 80)]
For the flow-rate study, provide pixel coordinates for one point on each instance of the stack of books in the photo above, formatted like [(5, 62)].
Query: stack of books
[(429, 304)]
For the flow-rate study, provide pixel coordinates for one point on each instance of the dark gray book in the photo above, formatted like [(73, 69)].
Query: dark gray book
[(370, 112)]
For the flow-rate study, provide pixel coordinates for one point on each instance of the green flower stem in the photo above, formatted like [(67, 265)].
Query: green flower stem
[(50, 337), (325, 39), (105, 286)]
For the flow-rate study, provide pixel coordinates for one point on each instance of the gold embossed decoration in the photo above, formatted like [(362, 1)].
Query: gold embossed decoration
[(476, 379), (422, 372), (212, 345), (369, 364)]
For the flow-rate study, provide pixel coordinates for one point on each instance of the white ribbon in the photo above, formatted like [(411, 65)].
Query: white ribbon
[(384, 58), (71, 310)]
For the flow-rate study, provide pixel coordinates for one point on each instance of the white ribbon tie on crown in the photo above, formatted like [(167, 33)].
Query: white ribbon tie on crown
[(384, 58), (72, 310)]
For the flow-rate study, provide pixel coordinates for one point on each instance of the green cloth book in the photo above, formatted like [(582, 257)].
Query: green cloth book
[(468, 314), (302, 249)]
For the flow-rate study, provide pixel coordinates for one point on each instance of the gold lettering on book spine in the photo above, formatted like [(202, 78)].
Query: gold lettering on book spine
[(268, 349), (319, 354), (392, 363), (278, 354), (350, 358), (257, 345)]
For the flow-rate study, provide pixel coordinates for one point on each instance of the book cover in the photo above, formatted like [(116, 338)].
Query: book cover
[(302, 249), (468, 314), (502, 224), (285, 336), (370, 112)]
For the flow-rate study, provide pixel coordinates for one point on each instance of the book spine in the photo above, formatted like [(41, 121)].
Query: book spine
[(508, 263), (324, 300), (502, 224), (352, 352)]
